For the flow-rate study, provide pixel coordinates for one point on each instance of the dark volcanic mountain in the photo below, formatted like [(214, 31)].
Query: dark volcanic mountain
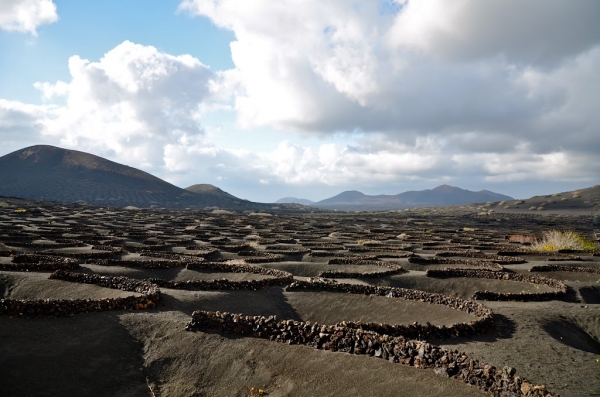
[(51, 173), (441, 195), (210, 190)]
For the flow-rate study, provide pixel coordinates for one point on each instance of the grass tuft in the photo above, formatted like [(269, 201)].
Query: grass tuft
[(555, 240)]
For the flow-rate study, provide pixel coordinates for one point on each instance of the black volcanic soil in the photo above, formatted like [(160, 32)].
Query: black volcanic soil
[(556, 343)]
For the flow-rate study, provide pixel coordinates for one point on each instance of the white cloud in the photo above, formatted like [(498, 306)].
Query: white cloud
[(430, 66), (26, 15), (292, 164), (21, 123), (418, 106), (533, 32), (129, 104), (471, 78)]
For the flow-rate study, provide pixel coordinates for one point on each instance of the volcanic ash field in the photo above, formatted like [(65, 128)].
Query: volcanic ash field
[(428, 302)]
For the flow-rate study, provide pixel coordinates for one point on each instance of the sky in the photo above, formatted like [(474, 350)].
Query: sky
[(309, 98)]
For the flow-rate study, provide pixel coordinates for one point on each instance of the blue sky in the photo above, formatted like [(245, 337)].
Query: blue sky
[(90, 28), (308, 99)]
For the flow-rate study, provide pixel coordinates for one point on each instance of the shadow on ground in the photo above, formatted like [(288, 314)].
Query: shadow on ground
[(571, 334)]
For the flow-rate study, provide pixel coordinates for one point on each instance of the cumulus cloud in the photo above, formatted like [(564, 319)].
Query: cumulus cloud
[(426, 92), (474, 78), (292, 164), (26, 15), (534, 32), (129, 104), (430, 65), (19, 122)]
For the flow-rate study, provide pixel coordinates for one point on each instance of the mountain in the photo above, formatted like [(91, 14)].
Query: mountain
[(55, 174), (294, 200), (584, 201), (440, 196), (350, 196), (208, 189), (449, 195)]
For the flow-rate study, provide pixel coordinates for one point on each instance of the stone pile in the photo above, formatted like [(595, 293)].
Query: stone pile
[(559, 286), (399, 349)]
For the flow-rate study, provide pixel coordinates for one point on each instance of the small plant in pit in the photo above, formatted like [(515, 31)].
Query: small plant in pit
[(554, 240), (258, 392)]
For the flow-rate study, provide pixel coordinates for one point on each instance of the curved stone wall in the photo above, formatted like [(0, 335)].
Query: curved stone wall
[(66, 307), (559, 268), (561, 288), (445, 261), (395, 349)]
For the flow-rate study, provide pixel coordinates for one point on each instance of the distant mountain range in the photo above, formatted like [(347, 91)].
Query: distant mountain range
[(353, 200), (294, 200), (50, 173), (54, 174)]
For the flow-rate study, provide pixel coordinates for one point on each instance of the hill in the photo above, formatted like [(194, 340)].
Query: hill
[(440, 196), (208, 189), (294, 200), (56, 174), (585, 201)]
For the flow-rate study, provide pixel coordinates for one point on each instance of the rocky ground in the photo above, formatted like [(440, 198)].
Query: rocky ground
[(146, 350)]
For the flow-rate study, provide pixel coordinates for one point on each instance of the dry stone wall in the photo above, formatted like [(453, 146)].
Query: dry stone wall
[(445, 261), (391, 268), (559, 286), (395, 349), (67, 307), (559, 268)]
